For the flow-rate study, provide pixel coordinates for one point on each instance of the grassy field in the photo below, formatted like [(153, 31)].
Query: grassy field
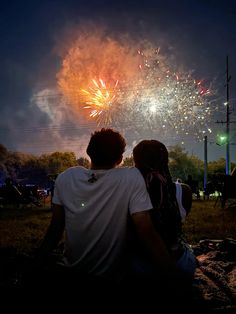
[(207, 220), (22, 229)]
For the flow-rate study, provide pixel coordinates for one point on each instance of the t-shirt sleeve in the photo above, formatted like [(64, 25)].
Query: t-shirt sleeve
[(140, 200)]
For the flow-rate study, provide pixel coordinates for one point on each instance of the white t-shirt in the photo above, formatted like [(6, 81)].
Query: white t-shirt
[(97, 204)]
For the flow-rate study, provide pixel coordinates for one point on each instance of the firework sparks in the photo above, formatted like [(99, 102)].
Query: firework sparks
[(170, 101), (116, 83), (99, 99)]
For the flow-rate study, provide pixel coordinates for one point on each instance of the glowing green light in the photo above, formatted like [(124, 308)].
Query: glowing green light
[(222, 139)]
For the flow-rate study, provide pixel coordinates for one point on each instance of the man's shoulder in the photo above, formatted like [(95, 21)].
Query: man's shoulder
[(72, 170), (128, 170), (129, 174)]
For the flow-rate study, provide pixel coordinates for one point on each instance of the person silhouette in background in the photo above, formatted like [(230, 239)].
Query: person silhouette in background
[(11, 193), (151, 158), (193, 185), (51, 183)]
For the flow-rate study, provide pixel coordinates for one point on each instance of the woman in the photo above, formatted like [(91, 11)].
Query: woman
[(151, 158)]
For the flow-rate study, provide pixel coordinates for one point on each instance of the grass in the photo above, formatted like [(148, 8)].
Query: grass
[(207, 220), (23, 229)]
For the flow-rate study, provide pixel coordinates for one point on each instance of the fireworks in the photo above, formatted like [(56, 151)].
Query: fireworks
[(171, 101), (99, 100), (116, 83), (93, 69)]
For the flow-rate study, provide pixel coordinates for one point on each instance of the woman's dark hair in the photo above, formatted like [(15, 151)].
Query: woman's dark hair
[(151, 158), (106, 147), (151, 155)]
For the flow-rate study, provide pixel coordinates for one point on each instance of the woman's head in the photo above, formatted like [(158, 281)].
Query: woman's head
[(151, 158), (150, 155)]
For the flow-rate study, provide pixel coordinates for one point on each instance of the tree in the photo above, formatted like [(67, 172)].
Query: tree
[(13, 164), (83, 162), (3, 157), (33, 172), (58, 161), (216, 167), (3, 153), (181, 164), (128, 162)]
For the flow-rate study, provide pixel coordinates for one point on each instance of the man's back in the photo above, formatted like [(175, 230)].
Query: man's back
[(94, 208), (97, 203)]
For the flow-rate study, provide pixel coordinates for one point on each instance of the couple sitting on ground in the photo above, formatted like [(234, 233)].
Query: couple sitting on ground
[(119, 223)]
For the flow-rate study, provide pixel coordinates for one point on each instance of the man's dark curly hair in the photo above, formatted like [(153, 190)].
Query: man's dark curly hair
[(106, 147)]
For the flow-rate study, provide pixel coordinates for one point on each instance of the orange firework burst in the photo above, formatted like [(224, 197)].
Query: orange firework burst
[(99, 98), (90, 72)]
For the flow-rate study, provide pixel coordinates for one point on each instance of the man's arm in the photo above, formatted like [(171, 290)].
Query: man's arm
[(153, 243), (53, 235)]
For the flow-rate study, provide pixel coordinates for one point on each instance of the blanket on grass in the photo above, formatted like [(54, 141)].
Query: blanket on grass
[(215, 277), (214, 285)]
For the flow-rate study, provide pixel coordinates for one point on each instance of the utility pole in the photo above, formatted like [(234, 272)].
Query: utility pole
[(228, 163), (205, 165), (228, 139)]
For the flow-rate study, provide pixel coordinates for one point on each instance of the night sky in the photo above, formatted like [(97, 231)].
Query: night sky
[(35, 36)]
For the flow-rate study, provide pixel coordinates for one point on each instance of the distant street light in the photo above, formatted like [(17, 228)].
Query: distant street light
[(222, 139)]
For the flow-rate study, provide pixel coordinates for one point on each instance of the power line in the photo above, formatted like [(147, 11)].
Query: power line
[(227, 122)]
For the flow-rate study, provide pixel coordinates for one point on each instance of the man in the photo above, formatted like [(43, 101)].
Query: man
[(93, 207)]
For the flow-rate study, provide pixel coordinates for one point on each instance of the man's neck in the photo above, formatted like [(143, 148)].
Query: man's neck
[(94, 167)]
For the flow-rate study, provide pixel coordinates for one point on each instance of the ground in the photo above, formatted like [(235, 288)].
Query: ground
[(213, 289)]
